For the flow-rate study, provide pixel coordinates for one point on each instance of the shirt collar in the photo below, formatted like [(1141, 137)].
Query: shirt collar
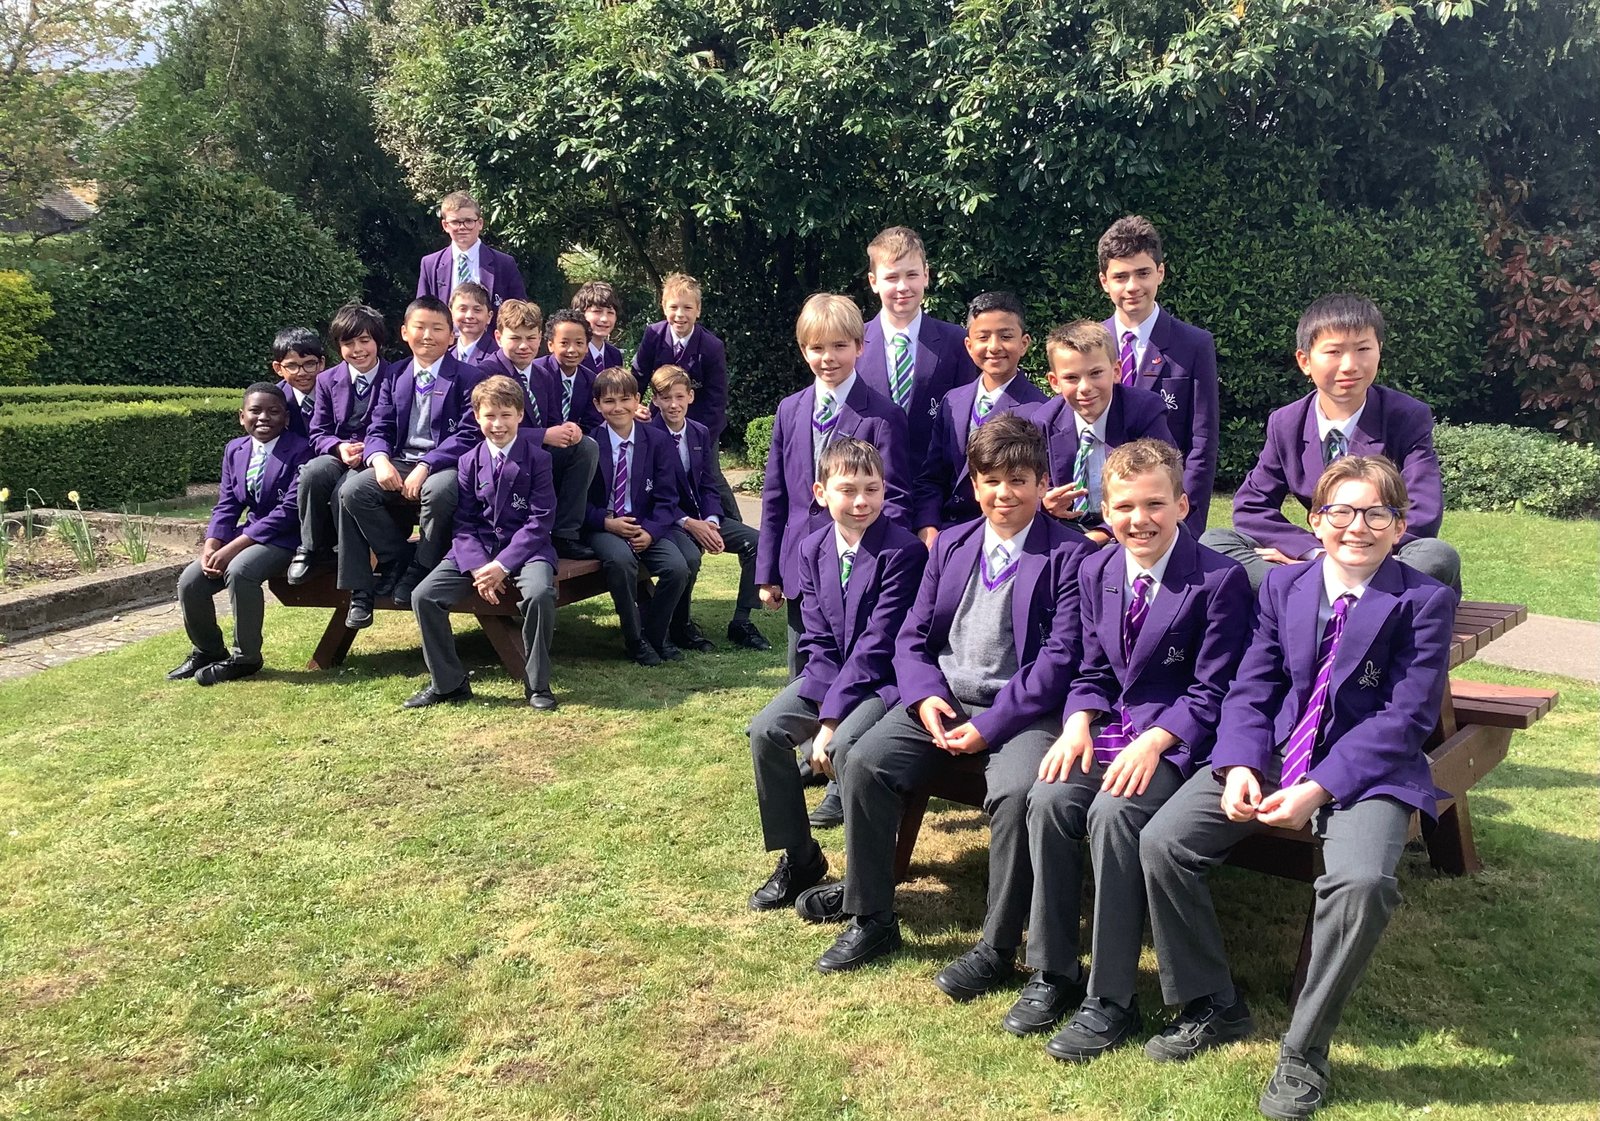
[(1333, 588), (1098, 427), (1013, 547), (671, 431), (1155, 571), (417, 369), (840, 545), (597, 352), (501, 453), (672, 336), (1141, 333), (840, 391), (995, 395), (355, 373), (621, 441), (1345, 427), (266, 448), (470, 254), (913, 330)]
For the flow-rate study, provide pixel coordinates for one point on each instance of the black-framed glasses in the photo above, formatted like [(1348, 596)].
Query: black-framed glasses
[(309, 366), (1341, 516)]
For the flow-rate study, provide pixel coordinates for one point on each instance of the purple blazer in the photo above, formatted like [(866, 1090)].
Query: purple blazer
[(454, 432), (299, 419), (1392, 424), (484, 350), (1389, 678), (1180, 365), (274, 516), (497, 272), (941, 364), (942, 493), (583, 412), (849, 633), (698, 496), (706, 361), (1188, 648), (788, 512), (652, 481), (1133, 413), (335, 420), (511, 523), (1044, 624), (609, 356), (543, 407)]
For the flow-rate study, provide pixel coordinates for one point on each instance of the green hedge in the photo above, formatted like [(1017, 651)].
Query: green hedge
[(1499, 467), (24, 310), (758, 441), (18, 395), (109, 454)]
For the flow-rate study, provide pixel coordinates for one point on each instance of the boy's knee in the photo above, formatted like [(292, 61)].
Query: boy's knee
[(1367, 887), (1058, 805), (1112, 815)]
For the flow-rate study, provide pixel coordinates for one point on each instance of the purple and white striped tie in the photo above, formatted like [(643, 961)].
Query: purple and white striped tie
[(1130, 369), (619, 483), (1120, 732), (1297, 753)]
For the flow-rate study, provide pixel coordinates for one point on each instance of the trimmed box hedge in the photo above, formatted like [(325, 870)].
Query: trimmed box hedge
[(110, 454), (37, 395)]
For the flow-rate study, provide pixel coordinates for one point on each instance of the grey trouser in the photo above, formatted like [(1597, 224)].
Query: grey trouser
[(1060, 815), (243, 578), (1427, 555), (572, 468), (796, 629), (896, 757), (318, 496), (663, 560), (785, 726), (365, 523), (1355, 896), (447, 584), (736, 538)]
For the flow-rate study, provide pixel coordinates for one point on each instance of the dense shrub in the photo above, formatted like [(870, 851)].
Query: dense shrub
[(24, 310), (758, 442), (109, 454), (1499, 467), (36, 397)]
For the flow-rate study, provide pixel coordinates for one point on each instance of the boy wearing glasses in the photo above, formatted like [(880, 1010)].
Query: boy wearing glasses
[(297, 358), (1339, 688), (1339, 341), (467, 258)]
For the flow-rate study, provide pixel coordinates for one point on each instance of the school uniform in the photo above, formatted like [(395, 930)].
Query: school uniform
[(650, 496), (481, 351), (851, 617), (705, 359), (997, 639), (1384, 684), (301, 407), (607, 357), (503, 514), (573, 466), (496, 271), (269, 510), (1390, 424), (342, 411), (399, 430), (789, 512), (573, 396), (942, 494), (1178, 362), (939, 362), (697, 498), (1132, 414), (1159, 649)]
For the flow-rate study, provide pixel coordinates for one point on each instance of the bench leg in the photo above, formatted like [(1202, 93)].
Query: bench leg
[(910, 826), (505, 635), (1450, 847), (336, 642)]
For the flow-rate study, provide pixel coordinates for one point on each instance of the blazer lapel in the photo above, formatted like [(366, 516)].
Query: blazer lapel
[(872, 364), (1311, 443), (270, 474), (483, 469), (1176, 587), (961, 405), (1030, 568), (1366, 619), (1109, 626), (1116, 419), (486, 271), (963, 559), (1367, 439), (639, 469), (1304, 604), (833, 597), (510, 471)]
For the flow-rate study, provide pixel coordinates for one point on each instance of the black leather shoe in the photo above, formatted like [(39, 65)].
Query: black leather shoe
[(1297, 1088), (193, 664), (389, 574), (359, 616), (645, 655), (788, 881), (401, 594), (669, 652), (299, 567), (829, 813), (428, 695), (1045, 999), (980, 970), (691, 637), (864, 940), (231, 670), (822, 904), (570, 548), (542, 699), (1202, 1025), (1095, 1028), (742, 632)]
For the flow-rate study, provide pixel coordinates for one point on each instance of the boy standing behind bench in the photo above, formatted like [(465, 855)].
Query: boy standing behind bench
[(501, 537)]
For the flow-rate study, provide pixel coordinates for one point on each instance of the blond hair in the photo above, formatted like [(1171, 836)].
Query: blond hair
[(520, 315), (680, 284), (892, 244), (1140, 457), (1384, 476), (1083, 336), (828, 316), (668, 376), (498, 391), (458, 200)]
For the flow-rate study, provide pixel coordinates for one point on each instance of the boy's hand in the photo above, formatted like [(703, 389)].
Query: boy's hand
[(1292, 806), (208, 555), (927, 534), (1058, 501), (350, 453), (414, 481), (821, 761), (488, 580), (706, 535), (1241, 794), (642, 412), (1274, 556), (386, 474), (642, 540), (1098, 536), (1075, 744), (223, 555), (771, 596), (932, 712), (563, 435), (626, 526), (1135, 765), (964, 739)]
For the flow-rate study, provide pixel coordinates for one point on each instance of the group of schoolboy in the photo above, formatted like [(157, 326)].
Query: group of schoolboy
[(1041, 594)]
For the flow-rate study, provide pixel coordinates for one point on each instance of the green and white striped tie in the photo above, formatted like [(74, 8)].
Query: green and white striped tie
[(904, 372), (257, 468)]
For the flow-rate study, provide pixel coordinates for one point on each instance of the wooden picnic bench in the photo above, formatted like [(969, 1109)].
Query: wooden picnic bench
[(1471, 737)]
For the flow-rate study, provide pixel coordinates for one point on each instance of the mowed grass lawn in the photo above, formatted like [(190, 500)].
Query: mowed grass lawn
[(287, 898)]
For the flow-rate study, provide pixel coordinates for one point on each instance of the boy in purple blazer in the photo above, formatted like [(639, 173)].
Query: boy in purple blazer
[(701, 527), (679, 340), (568, 333), (469, 313), (1092, 414), (501, 538), (1158, 352), (421, 426), (633, 511), (573, 455), (601, 308), (909, 357), (860, 574), (997, 338), (467, 258), (981, 663), (1325, 723), (297, 358), (259, 474), (344, 398), (1339, 344), (1164, 625), (837, 403)]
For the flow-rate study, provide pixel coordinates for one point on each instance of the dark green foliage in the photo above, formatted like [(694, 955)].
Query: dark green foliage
[(24, 310), (1499, 467), (39, 397), (758, 442), (110, 454), (190, 272)]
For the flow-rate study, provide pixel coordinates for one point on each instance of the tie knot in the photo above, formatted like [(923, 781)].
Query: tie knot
[(677, 438), (1000, 555), (1342, 605), (1142, 584), (1128, 337), (902, 341)]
